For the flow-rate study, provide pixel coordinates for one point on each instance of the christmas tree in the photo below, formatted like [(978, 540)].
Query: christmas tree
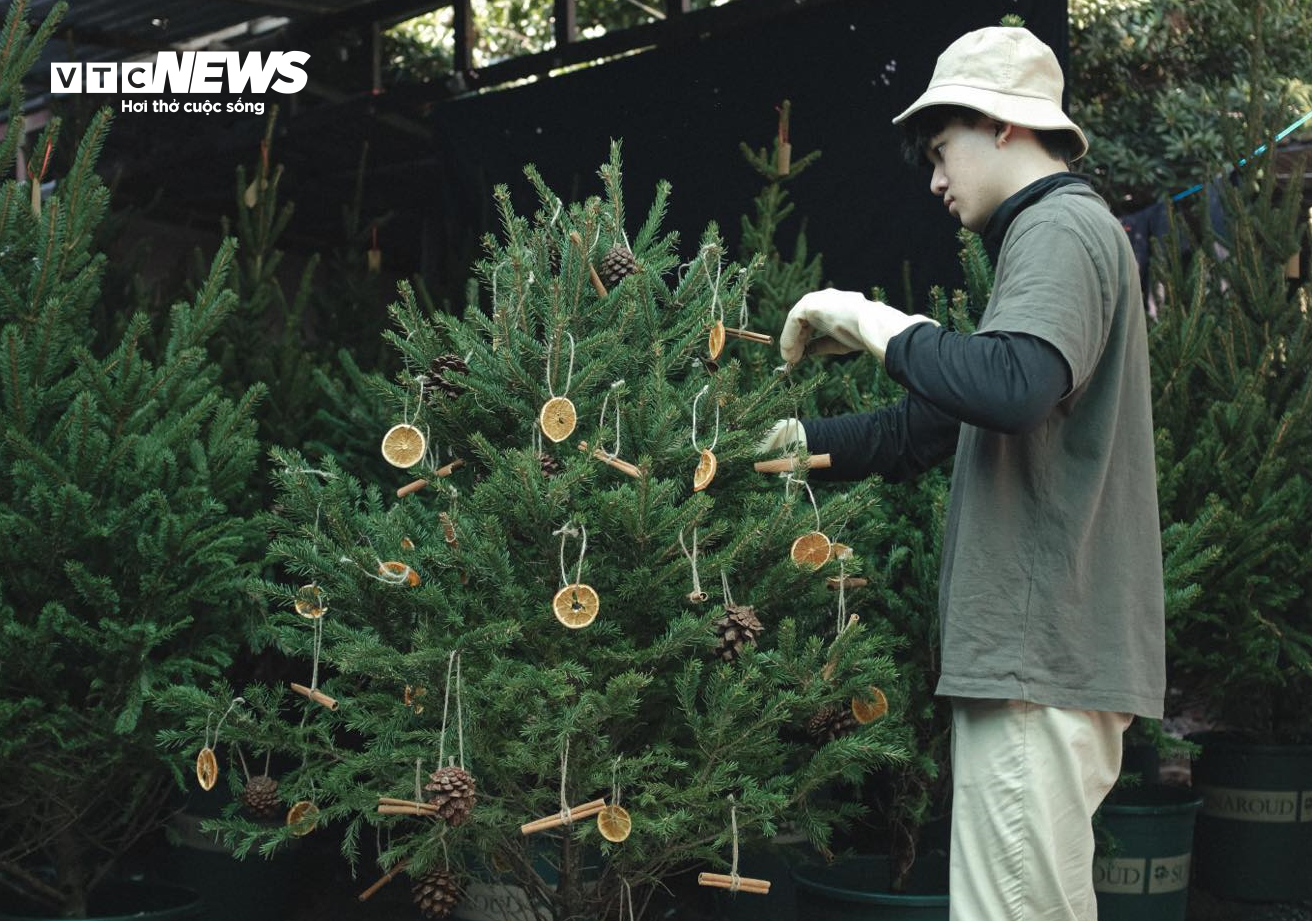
[(1233, 404), (123, 568), (593, 607)]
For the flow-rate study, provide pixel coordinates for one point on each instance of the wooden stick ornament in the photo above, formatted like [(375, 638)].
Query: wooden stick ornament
[(386, 878), (567, 815), (789, 464), (612, 459), (733, 882), (312, 692), (597, 283)]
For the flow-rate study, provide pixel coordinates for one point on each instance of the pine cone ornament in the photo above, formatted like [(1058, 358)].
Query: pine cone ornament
[(616, 265), (453, 793), (436, 378), (832, 722), (437, 893), (550, 466), (737, 628), (261, 797)]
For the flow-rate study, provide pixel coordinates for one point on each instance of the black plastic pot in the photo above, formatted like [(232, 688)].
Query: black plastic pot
[(1254, 836), (1146, 877), (858, 889), (120, 900)]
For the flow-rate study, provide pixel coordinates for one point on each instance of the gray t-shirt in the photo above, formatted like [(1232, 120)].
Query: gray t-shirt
[(1051, 587)]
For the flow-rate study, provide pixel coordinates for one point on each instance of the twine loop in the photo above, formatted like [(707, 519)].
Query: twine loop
[(570, 531), (569, 374), (692, 559), (716, 438)]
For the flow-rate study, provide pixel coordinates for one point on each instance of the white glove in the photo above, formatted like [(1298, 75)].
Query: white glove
[(831, 322), (783, 433)]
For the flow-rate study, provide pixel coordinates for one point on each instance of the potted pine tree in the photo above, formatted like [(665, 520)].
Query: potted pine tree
[(1234, 405), (591, 635), (122, 569)]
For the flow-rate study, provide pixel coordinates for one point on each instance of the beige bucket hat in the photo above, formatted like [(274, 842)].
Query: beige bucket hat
[(1004, 72)]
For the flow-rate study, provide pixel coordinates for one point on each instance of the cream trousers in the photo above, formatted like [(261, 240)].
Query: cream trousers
[(1026, 780)]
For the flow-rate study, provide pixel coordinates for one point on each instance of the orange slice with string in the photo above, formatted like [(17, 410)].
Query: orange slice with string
[(576, 605), (302, 818), (558, 418), (715, 341), (870, 708), (614, 823), (705, 472), (309, 602), (207, 768), (401, 571), (403, 446), (811, 550)]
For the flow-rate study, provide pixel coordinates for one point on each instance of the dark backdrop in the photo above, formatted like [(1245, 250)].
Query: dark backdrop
[(848, 68)]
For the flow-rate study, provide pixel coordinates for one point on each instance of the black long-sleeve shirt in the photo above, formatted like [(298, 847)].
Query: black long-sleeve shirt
[(1007, 382)]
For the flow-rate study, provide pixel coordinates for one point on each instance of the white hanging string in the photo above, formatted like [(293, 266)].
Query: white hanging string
[(405, 403), (714, 440), (222, 720), (453, 660), (570, 531), (842, 596), (318, 646), (692, 558), (626, 893), (734, 879), (615, 781), (564, 770), (717, 311), (724, 580), (602, 423), (569, 375), (793, 480), (460, 716), (745, 284), (419, 767)]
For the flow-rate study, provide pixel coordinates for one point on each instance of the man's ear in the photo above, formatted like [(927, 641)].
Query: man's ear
[(1002, 132)]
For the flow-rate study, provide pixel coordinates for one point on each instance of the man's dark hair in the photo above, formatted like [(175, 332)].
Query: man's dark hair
[(929, 122)]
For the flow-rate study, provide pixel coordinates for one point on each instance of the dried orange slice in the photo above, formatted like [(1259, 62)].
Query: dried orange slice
[(614, 823), (401, 571), (705, 472), (403, 446), (867, 711), (811, 550), (412, 696), (715, 341), (303, 817), (576, 605), (558, 418), (309, 602), (207, 768)]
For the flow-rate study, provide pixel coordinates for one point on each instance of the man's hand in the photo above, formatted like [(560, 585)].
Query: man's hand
[(834, 322), (785, 432)]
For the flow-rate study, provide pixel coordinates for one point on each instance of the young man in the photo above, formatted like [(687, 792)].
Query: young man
[(1051, 601)]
